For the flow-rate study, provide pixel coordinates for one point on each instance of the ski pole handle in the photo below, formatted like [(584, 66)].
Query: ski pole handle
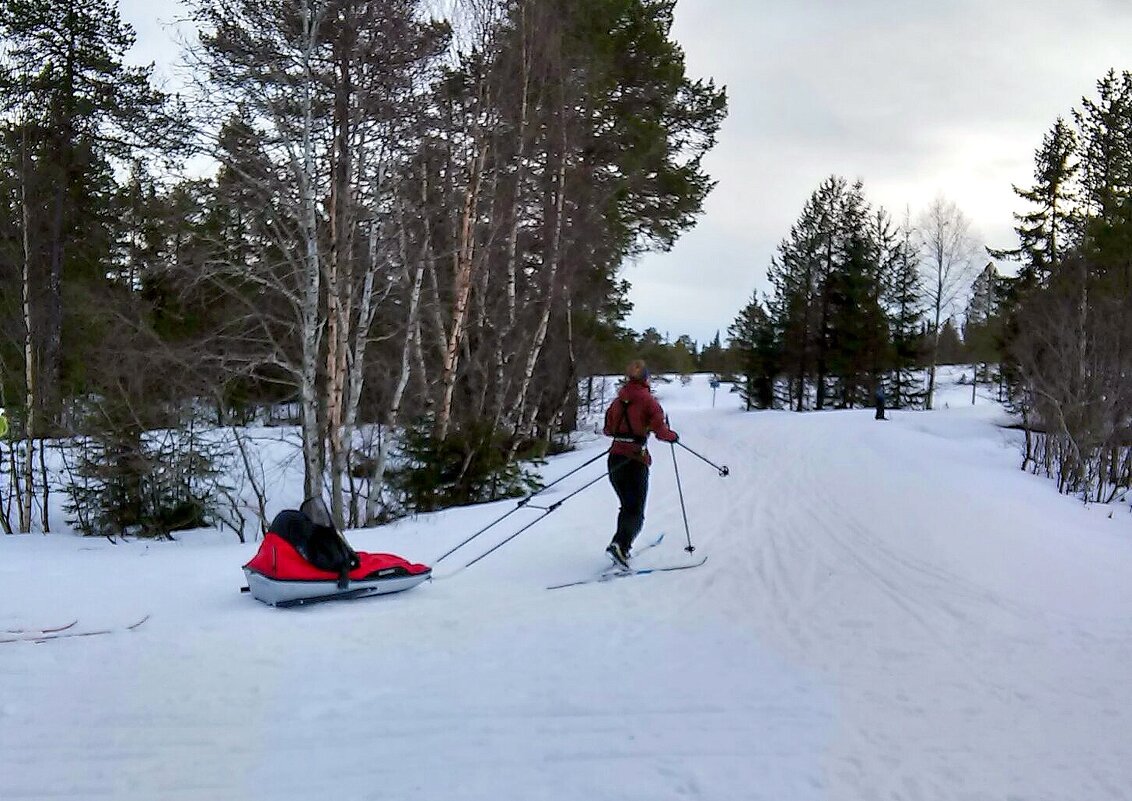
[(724, 470)]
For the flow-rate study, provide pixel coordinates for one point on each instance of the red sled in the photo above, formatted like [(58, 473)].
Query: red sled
[(304, 559)]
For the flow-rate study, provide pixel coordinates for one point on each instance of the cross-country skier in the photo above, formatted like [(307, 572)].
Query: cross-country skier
[(632, 416)]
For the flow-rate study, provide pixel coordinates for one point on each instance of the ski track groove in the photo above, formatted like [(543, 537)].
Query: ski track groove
[(802, 543)]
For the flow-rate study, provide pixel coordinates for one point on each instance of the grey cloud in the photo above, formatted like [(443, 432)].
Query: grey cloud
[(915, 99)]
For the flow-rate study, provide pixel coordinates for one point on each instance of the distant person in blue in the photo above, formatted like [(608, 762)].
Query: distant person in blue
[(878, 397)]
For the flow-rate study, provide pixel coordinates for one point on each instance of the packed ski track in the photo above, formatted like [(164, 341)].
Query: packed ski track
[(890, 610)]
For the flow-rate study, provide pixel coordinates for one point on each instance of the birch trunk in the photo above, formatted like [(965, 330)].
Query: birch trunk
[(311, 331), (520, 164), (938, 310), (340, 290), (412, 329), (26, 492), (504, 351), (462, 283), (368, 305), (441, 338), (524, 421)]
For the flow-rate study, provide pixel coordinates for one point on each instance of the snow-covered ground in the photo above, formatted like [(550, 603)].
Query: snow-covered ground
[(889, 611)]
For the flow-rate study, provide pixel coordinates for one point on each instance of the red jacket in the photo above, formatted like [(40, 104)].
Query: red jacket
[(635, 414)]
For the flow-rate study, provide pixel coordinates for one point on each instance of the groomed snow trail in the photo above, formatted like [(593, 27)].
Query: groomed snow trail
[(890, 611)]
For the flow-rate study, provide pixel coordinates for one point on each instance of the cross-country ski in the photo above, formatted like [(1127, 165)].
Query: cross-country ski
[(623, 572), (64, 632)]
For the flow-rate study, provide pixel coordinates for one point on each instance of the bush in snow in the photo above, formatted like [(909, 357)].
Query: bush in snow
[(470, 465)]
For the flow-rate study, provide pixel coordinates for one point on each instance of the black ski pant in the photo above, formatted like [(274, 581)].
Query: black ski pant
[(630, 480)]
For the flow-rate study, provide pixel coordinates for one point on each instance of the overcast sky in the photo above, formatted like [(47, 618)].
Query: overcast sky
[(914, 98)]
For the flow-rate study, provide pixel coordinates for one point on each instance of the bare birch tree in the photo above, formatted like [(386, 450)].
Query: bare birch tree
[(266, 68), (951, 257), (329, 84)]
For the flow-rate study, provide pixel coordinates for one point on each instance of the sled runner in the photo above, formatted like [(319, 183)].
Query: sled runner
[(304, 559)]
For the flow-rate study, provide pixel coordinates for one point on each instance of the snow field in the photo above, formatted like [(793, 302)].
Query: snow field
[(889, 611)]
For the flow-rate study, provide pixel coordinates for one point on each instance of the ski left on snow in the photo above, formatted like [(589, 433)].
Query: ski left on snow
[(61, 632)]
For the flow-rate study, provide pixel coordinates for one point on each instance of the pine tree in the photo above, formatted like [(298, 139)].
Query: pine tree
[(756, 355), (71, 115), (684, 355), (72, 108), (653, 123), (713, 358)]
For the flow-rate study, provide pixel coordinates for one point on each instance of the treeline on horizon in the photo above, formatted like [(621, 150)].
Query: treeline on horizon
[(410, 238), (723, 356), (858, 301)]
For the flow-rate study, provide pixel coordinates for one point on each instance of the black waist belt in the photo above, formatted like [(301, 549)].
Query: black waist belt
[(642, 441)]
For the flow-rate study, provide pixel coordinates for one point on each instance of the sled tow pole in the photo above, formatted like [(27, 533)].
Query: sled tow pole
[(526, 502)]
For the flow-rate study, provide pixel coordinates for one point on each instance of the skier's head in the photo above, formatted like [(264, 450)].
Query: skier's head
[(637, 370)]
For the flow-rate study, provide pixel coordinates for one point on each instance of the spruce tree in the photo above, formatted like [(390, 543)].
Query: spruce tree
[(981, 324), (1047, 231), (756, 356), (1065, 319), (798, 305), (829, 204), (1104, 131), (904, 302), (1105, 135), (950, 343), (857, 328), (1052, 225)]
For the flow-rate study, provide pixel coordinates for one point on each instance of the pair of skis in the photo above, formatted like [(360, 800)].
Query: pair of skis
[(59, 632), (617, 570)]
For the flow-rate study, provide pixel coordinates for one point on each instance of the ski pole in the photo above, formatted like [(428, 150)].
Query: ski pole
[(680, 491), (724, 471), (519, 506)]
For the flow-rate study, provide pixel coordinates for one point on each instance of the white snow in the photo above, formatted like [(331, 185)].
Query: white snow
[(889, 611)]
